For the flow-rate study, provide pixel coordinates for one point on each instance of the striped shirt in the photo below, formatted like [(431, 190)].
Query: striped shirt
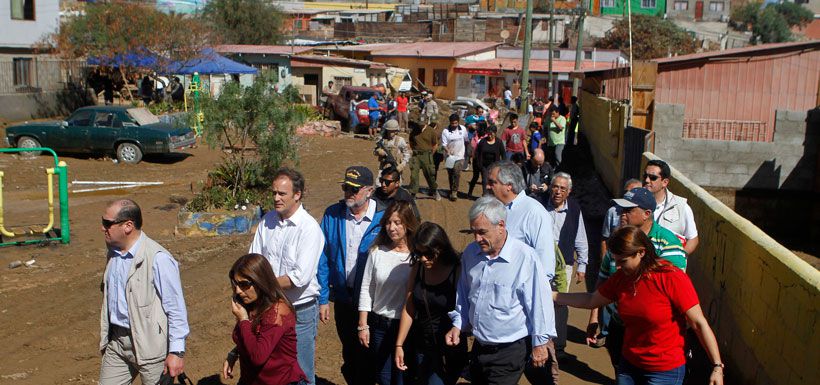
[(667, 246)]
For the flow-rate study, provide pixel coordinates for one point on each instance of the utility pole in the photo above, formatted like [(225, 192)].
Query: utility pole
[(579, 49), (552, 24), (525, 65)]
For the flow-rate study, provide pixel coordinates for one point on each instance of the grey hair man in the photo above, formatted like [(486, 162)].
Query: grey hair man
[(516, 318), (141, 291)]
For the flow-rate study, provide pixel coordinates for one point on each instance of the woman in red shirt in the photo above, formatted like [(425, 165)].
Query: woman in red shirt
[(655, 301), (265, 331)]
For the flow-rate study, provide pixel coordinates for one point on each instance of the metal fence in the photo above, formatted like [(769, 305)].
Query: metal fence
[(717, 129), (33, 74)]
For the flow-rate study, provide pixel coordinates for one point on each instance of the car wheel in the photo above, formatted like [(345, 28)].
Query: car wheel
[(28, 142), (129, 153)]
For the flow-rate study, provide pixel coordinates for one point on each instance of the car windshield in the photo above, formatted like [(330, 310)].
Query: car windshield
[(142, 116)]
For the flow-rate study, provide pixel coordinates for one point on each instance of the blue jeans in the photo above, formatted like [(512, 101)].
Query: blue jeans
[(630, 375), (306, 322), (383, 333), (354, 120), (603, 318)]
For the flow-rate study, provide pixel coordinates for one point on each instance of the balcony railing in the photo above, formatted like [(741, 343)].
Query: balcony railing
[(718, 129)]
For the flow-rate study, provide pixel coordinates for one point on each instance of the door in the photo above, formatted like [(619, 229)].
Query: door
[(634, 143), (104, 132), (313, 80), (74, 137), (698, 10), (422, 78)]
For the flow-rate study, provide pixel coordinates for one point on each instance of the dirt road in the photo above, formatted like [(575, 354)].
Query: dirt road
[(50, 313)]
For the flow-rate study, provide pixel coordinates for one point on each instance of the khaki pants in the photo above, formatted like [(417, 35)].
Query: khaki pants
[(119, 364), (422, 160), (402, 120)]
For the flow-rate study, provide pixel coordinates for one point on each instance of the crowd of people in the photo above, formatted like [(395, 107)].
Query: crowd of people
[(405, 299)]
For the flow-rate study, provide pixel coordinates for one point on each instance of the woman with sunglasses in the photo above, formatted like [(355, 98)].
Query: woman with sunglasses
[(655, 301), (431, 293), (382, 295), (265, 331)]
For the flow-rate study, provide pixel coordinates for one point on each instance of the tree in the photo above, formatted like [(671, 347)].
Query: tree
[(244, 21), (771, 23), (255, 126), (652, 37), (110, 29)]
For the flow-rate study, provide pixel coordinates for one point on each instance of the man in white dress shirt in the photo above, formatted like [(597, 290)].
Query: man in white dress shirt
[(292, 241)]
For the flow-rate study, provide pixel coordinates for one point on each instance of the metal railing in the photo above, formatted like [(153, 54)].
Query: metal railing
[(33, 74), (718, 129)]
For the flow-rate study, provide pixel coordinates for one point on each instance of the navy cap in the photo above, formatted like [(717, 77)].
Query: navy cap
[(358, 176), (637, 197)]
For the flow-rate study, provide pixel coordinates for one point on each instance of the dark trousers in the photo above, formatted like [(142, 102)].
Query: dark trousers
[(500, 364), (561, 319), (453, 176), (615, 342), (545, 375), (441, 364), (354, 356), (383, 332)]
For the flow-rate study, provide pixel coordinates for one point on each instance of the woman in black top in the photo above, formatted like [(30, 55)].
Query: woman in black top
[(431, 294), (488, 151)]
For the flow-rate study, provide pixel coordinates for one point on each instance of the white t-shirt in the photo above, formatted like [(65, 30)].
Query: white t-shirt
[(385, 282), (293, 247), (354, 231), (507, 94), (453, 141)]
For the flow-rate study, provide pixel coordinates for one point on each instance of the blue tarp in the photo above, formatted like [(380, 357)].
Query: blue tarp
[(210, 63), (127, 60)]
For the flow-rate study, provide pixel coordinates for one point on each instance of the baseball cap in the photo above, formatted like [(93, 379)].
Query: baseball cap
[(637, 197), (358, 176)]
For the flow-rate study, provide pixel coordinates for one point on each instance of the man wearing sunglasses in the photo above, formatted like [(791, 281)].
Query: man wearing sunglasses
[(672, 211), (143, 322), (350, 227), (291, 240), (390, 190)]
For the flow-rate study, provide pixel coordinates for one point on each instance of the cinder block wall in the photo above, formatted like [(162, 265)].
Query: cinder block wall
[(602, 122), (761, 299), (734, 164)]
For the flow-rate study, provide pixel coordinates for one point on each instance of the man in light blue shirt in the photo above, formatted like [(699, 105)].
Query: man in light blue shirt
[(502, 298), (136, 300)]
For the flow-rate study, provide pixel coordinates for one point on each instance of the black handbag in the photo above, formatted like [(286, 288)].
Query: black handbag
[(167, 379)]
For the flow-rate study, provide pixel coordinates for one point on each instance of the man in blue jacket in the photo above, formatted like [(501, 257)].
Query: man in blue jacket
[(350, 226)]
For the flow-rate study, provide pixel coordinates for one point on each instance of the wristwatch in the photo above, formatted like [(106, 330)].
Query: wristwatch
[(719, 365), (178, 354)]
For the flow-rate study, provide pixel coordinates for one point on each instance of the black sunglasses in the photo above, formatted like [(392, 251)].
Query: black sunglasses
[(651, 177), (386, 181), (351, 189), (244, 285), (107, 224)]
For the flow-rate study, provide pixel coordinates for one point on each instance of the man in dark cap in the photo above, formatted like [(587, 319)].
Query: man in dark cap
[(350, 226)]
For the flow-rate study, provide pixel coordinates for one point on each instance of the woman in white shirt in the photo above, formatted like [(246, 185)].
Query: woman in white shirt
[(383, 287)]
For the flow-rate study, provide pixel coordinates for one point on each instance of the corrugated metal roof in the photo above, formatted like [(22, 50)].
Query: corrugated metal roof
[(435, 49), (754, 50), (510, 64), (312, 60), (262, 49)]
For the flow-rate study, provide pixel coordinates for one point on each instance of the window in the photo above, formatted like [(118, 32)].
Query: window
[(439, 77), (648, 4), (107, 120), (607, 3), (22, 9), (681, 5), (716, 6), (81, 118), (298, 24), (587, 55), (22, 72), (422, 76), (340, 81), (556, 54)]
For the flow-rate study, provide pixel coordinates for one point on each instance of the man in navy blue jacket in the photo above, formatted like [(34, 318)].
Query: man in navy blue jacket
[(350, 226)]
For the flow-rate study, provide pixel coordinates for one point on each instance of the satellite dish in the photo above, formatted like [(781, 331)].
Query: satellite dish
[(505, 34)]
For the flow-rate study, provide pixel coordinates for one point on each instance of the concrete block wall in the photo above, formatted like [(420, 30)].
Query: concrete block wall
[(602, 122), (788, 162), (760, 298), (373, 31)]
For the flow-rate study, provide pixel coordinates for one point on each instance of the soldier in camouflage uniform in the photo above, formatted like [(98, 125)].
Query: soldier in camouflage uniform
[(392, 149)]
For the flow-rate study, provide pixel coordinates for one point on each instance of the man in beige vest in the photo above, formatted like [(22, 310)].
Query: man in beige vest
[(143, 322)]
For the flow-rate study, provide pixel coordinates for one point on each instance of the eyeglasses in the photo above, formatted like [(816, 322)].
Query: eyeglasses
[(651, 177), (386, 181), (108, 223), (559, 188), (243, 285), (351, 189)]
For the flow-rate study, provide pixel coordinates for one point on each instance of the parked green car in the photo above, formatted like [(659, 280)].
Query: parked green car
[(127, 132)]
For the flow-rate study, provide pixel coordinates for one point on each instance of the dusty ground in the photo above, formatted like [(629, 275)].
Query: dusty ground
[(50, 313)]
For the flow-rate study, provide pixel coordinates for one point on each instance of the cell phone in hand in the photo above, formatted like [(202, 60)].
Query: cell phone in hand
[(237, 299)]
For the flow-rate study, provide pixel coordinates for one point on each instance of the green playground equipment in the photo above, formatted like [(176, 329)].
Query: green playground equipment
[(49, 232)]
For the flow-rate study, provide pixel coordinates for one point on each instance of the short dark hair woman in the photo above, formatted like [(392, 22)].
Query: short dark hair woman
[(654, 299), (265, 331), (431, 293), (382, 296)]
